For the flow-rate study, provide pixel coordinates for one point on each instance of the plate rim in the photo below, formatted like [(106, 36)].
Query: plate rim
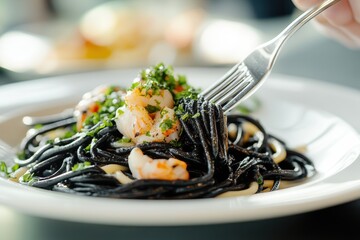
[(231, 206)]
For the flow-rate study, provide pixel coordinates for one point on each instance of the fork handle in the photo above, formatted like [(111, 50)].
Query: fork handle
[(299, 22), (306, 16)]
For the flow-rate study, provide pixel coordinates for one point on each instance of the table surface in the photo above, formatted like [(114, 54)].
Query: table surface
[(308, 55)]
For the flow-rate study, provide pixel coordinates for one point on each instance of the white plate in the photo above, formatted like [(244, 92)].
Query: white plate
[(300, 111)]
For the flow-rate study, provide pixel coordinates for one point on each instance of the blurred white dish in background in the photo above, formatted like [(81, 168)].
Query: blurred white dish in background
[(225, 42), (21, 52)]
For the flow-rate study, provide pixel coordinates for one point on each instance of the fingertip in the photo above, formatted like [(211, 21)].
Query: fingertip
[(322, 25), (305, 4), (339, 14), (355, 4)]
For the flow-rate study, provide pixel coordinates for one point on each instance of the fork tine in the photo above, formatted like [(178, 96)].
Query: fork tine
[(219, 84), (230, 89), (240, 85), (235, 81), (240, 93), (235, 85), (225, 84)]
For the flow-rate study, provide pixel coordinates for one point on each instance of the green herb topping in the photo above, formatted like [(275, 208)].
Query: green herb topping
[(106, 110), (81, 166), (166, 124), (5, 170), (161, 77)]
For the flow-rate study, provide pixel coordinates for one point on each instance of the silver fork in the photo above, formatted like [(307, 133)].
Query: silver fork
[(246, 77)]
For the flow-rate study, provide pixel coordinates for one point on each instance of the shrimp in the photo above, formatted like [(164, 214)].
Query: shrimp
[(133, 121), (165, 127), (144, 167), (148, 116), (161, 98), (91, 103)]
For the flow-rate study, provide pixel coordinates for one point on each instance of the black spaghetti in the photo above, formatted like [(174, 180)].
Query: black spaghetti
[(198, 151)]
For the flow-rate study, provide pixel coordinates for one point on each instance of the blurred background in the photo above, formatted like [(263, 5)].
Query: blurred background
[(41, 38)]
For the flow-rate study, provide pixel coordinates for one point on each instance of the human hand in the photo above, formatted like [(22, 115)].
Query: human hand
[(341, 21)]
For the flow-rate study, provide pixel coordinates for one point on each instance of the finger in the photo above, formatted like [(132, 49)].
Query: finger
[(355, 4), (339, 14), (340, 21), (353, 30), (305, 4), (342, 15), (340, 34)]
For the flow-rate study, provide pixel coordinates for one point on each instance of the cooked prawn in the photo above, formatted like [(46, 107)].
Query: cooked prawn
[(165, 127), (141, 97), (144, 167), (90, 103), (133, 121), (148, 116)]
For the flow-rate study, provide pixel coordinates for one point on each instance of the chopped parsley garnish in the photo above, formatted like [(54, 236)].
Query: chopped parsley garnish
[(105, 123), (38, 126), (119, 112), (81, 166), (196, 115), (106, 111), (185, 116), (175, 143), (21, 155), (163, 112), (125, 140), (161, 77), (152, 108), (5, 170), (180, 112), (260, 180), (28, 178), (70, 132), (179, 109), (166, 124), (190, 92)]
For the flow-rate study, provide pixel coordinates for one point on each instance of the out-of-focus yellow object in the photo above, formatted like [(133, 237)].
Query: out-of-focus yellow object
[(111, 35), (117, 34), (182, 29), (120, 26)]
